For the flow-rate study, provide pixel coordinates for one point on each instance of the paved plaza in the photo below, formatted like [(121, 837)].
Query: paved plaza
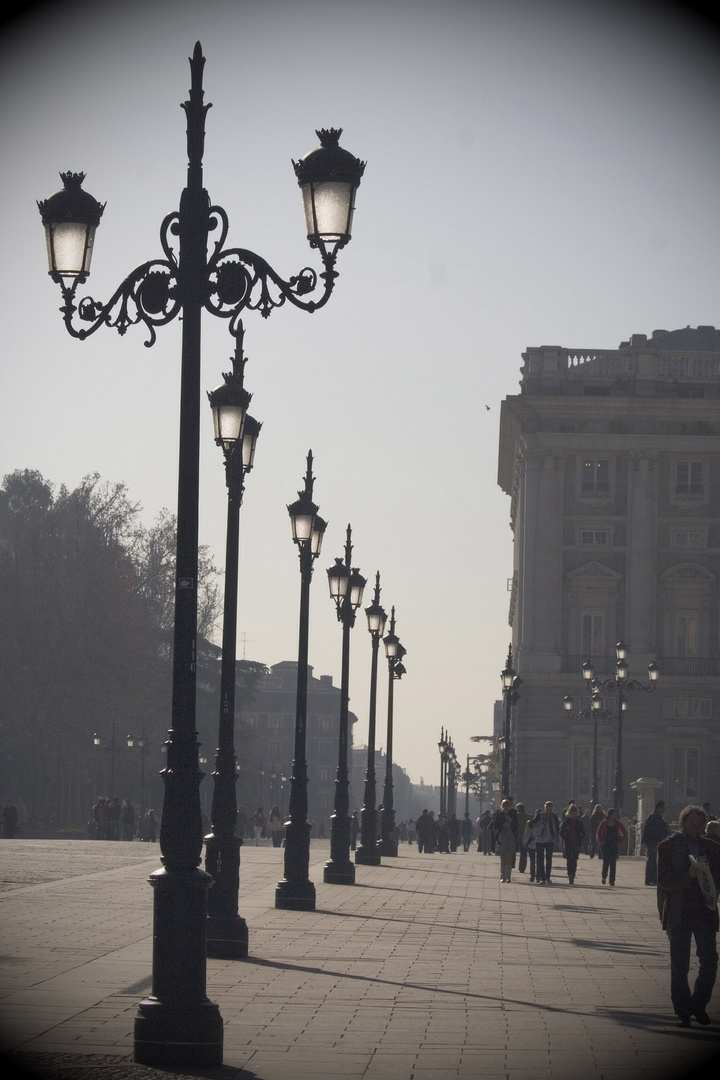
[(427, 969)]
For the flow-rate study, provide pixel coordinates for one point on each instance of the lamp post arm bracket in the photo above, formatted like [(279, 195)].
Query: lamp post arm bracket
[(239, 279), (149, 295)]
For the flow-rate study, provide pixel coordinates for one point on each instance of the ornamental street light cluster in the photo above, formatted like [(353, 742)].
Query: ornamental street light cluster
[(621, 684), (394, 653), (346, 585), (450, 772), (177, 1024), (510, 683), (594, 712)]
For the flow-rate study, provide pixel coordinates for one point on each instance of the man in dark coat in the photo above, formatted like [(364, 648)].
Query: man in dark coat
[(656, 829), (688, 881), (424, 829)]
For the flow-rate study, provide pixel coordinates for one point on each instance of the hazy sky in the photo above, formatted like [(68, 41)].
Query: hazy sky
[(538, 173)]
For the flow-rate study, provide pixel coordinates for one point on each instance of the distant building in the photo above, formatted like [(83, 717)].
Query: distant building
[(611, 459), (267, 743)]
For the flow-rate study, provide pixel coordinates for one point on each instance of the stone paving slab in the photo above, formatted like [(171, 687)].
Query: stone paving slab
[(428, 968)]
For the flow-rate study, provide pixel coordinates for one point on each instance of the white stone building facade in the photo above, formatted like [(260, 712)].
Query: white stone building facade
[(611, 458)]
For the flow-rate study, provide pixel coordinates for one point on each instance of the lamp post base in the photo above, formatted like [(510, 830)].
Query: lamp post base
[(387, 847), (295, 896), (177, 1024), (227, 939), (339, 873), (367, 856), (167, 1035)]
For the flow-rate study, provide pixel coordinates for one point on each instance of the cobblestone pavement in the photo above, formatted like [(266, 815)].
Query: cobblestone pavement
[(427, 969)]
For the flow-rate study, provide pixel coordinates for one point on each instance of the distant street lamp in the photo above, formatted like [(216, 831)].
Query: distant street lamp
[(394, 652), (443, 747), (595, 713), (177, 1024), (236, 433), (346, 589), (141, 742), (296, 891), (510, 683), (621, 684), (367, 852), (109, 748)]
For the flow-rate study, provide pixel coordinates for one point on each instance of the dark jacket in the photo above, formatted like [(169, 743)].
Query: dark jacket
[(680, 900), (655, 829), (498, 822), (572, 833)]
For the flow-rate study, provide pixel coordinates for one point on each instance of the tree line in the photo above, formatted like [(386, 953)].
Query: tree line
[(86, 619)]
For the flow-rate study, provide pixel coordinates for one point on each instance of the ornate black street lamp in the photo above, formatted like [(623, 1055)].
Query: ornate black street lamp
[(443, 747), (595, 713), (467, 778), (110, 748), (141, 742), (177, 1024), (621, 684), (510, 683), (236, 433), (296, 891), (394, 652), (367, 852), (346, 589)]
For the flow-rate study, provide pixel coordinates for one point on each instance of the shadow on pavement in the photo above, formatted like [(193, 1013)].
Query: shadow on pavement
[(58, 1066)]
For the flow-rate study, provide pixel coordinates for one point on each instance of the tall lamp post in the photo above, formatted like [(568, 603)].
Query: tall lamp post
[(177, 1024), (346, 589), (236, 433), (109, 748), (443, 746), (510, 683), (595, 713), (367, 852), (141, 742), (296, 891), (394, 652), (622, 684)]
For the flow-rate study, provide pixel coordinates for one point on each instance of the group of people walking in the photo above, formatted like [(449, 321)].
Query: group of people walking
[(112, 820), (511, 833)]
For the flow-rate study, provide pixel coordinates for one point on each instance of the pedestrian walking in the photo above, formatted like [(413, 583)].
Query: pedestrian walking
[(453, 828), (258, 822), (276, 826), (534, 831), (466, 831), (150, 827), (504, 832), (484, 823), (113, 819), (410, 831), (654, 831), (127, 818), (610, 836), (443, 839), (585, 817), (522, 819), (596, 817), (688, 883), (572, 832), (544, 847), (424, 829)]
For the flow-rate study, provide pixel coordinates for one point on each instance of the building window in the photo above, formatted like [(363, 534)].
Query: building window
[(594, 536), (325, 723), (684, 768), (687, 708), (275, 723), (689, 538), (581, 772), (686, 635), (689, 479), (593, 636), (595, 476), (324, 774)]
